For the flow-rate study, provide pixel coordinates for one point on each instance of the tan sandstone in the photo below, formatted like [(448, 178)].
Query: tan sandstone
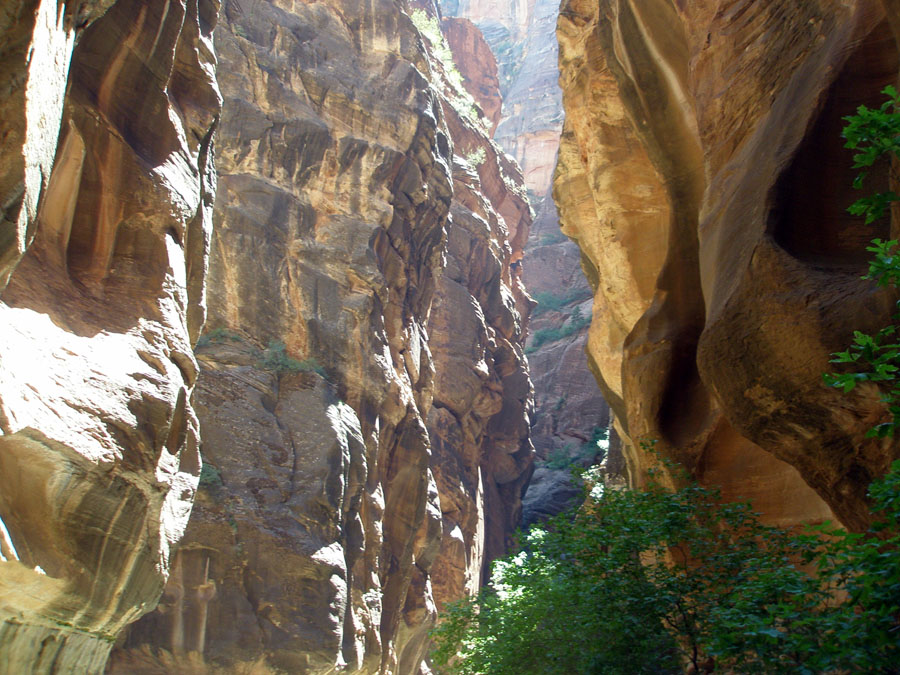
[(105, 257), (702, 174)]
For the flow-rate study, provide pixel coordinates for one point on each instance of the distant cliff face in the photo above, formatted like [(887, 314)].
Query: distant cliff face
[(106, 185), (569, 410), (363, 396), (702, 174)]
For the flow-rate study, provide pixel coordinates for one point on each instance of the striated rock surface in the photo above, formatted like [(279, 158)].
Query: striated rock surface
[(104, 250), (532, 102), (569, 410), (702, 174), (38, 39), (483, 395), (477, 65), (364, 411)]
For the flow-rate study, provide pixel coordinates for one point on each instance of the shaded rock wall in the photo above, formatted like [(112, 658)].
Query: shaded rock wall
[(363, 395), (38, 39), (104, 239), (702, 174), (568, 404)]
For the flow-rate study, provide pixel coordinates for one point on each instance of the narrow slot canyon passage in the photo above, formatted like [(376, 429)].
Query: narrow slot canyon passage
[(446, 337)]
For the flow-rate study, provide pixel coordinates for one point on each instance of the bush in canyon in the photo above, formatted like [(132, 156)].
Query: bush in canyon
[(275, 358), (569, 327), (552, 302), (651, 581), (460, 98)]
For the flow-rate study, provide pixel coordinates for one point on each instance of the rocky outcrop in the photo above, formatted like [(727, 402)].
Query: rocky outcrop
[(702, 174), (363, 409), (38, 39), (483, 395), (477, 65), (569, 411), (104, 250), (532, 102)]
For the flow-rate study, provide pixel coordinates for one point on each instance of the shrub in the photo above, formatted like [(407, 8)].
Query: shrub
[(646, 582), (550, 238), (475, 158), (552, 301), (568, 456), (459, 97), (210, 477), (275, 358), (218, 336), (559, 458)]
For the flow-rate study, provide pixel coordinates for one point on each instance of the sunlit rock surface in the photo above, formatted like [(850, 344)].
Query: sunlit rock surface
[(702, 174), (568, 404), (476, 64), (104, 249), (363, 396)]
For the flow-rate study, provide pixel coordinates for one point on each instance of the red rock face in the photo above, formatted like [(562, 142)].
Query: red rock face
[(363, 395), (568, 404), (477, 65), (106, 269), (702, 173)]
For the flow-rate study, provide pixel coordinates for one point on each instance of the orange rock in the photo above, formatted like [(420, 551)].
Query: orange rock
[(99, 456), (701, 172)]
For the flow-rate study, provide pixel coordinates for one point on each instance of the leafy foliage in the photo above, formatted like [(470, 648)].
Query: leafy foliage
[(460, 98), (475, 158), (570, 457), (645, 582), (554, 237), (552, 302), (875, 135), (218, 336)]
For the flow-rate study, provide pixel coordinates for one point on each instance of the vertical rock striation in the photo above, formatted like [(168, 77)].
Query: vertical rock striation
[(702, 174), (569, 410), (363, 410), (38, 39), (105, 259)]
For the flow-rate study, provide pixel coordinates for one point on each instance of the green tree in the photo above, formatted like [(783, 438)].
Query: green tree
[(649, 581)]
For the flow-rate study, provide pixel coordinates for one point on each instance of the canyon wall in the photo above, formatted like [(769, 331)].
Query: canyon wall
[(702, 173), (570, 413), (107, 183), (363, 396)]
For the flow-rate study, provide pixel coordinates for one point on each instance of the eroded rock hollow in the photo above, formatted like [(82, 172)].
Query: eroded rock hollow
[(702, 174)]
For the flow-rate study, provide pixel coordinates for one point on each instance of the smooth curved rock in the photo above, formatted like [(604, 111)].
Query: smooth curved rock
[(702, 174), (99, 449)]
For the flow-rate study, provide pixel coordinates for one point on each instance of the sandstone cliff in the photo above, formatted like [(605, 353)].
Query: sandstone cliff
[(569, 410), (106, 189), (363, 396), (702, 174)]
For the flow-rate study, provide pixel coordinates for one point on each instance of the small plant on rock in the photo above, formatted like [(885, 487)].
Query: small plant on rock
[(275, 358)]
